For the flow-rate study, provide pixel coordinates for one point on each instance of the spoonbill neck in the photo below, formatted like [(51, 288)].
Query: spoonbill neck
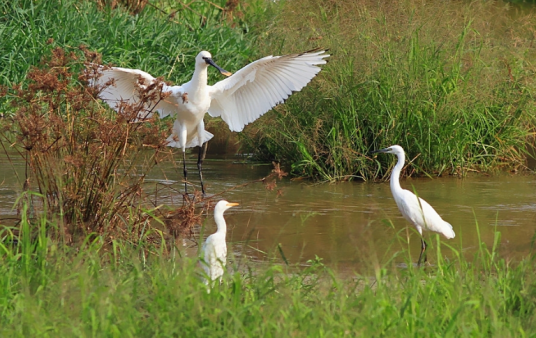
[(395, 174), (200, 78)]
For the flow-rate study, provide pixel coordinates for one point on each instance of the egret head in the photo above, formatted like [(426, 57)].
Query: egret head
[(223, 205), (396, 149), (204, 58)]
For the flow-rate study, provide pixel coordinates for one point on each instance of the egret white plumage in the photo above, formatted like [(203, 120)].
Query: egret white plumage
[(238, 100), (416, 210), (214, 251)]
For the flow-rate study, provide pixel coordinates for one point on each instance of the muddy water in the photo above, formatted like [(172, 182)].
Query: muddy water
[(348, 224)]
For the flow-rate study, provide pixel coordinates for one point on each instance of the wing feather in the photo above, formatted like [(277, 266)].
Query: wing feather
[(261, 85), (123, 85), (423, 215), (273, 93)]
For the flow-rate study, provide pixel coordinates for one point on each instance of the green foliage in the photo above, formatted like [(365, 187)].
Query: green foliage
[(436, 78), (151, 41), (119, 290)]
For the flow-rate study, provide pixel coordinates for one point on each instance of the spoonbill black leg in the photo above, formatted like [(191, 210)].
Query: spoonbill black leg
[(200, 159), (185, 171)]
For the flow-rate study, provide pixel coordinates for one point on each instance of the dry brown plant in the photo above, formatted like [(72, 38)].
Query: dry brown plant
[(87, 162), (134, 6), (181, 221)]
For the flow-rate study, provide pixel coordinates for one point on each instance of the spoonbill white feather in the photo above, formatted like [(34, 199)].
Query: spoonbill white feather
[(415, 210), (214, 251), (238, 100)]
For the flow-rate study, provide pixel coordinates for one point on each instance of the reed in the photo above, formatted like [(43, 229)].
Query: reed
[(442, 79), (163, 39)]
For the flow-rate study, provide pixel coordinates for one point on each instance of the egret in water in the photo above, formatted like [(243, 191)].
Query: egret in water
[(214, 251), (416, 210), (238, 100)]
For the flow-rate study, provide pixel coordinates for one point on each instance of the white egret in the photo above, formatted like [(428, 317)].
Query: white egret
[(417, 211), (214, 251), (238, 100)]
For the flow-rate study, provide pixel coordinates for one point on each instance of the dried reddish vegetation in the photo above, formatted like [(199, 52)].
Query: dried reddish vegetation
[(88, 162), (83, 158)]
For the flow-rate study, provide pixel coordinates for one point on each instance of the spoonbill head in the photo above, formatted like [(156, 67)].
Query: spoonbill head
[(204, 59), (414, 209), (239, 99)]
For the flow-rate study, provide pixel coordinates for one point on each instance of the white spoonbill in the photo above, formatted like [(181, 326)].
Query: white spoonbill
[(214, 251), (417, 211), (238, 100)]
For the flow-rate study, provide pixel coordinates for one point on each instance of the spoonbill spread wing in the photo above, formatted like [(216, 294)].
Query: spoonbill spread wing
[(124, 86), (261, 85)]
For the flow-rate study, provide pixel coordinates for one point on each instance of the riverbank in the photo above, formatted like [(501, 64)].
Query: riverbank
[(122, 290), (451, 82)]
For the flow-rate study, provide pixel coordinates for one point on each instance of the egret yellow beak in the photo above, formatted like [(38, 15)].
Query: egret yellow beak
[(232, 204)]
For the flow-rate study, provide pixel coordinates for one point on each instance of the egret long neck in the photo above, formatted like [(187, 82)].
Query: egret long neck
[(220, 222), (395, 174)]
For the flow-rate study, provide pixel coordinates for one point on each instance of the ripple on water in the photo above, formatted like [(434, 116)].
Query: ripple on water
[(348, 224)]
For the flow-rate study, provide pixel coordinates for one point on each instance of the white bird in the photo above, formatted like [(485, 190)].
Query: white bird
[(214, 251), (238, 100), (417, 211)]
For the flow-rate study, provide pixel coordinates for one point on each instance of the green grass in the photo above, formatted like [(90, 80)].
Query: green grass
[(150, 41), (436, 78), (117, 290)]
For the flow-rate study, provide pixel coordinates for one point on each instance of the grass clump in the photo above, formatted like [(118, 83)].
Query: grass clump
[(152, 40), (451, 82), (120, 290)]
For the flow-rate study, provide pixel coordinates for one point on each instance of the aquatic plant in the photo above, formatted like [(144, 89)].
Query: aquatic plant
[(451, 82)]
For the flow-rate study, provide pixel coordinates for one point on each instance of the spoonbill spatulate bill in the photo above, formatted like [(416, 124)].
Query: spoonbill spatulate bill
[(239, 99), (414, 209), (214, 251)]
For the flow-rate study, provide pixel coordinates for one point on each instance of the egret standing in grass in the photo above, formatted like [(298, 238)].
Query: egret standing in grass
[(214, 251), (416, 210), (238, 100)]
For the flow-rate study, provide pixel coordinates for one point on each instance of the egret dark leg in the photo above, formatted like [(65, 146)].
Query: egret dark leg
[(185, 171), (423, 249), (200, 159)]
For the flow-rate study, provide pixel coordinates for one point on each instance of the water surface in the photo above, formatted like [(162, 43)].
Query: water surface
[(347, 224)]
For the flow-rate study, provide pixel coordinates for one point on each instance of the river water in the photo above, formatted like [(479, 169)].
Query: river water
[(348, 224)]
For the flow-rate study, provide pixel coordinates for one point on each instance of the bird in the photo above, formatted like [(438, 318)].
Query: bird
[(214, 251), (239, 99), (414, 209)]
